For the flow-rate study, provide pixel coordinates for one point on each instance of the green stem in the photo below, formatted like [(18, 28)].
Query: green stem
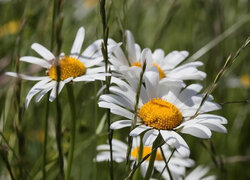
[(138, 175), (133, 124), (73, 129), (45, 137), (107, 82), (151, 162), (166, 164)]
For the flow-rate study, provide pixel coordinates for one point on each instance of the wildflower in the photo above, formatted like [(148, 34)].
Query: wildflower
[(177, 163), (198, 174), (11, 27), (74, 67), (165, 108), (167, 66)]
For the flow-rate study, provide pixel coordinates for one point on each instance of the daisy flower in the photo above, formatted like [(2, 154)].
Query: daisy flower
[(165, 109), (74, 67), (167, 66), (199, 173), (177, 163)]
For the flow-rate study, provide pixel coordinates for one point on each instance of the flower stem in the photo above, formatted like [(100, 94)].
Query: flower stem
[(105, 57), (166, 164), (138, 173), (151, 160), (133, 124), (73, 129), (45, 137)]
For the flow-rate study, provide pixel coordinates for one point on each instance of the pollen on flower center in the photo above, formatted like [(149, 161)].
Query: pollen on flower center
[(145, 151), (69, 67), (161, 72), (160, 114)]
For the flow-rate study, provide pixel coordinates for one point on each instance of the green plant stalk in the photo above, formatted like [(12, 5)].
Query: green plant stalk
[(151, 161), (138, 173), (56, 31), (45, 137), (131, 173), (20, 109), (230, 60), (219, 39), (59, 128), (133, 124), (4, 155), (73, 129), (166, 163), (107, 82)]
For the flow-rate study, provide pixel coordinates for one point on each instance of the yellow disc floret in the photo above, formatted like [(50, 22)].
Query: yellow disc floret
[(160, 114), (145, 151), (161, 72), (137, 63), (69, 67)]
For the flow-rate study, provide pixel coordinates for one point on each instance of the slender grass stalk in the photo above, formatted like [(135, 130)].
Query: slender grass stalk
[(57, 20), (7, 143), (170, 12), (152, 158), (236, 102), (218, 39), (107, 82), (131, 173), (4, 155), (166, 163), (133, 124), (20, 108), (45, 137), (138, 173), (73, 129), (230, 60)]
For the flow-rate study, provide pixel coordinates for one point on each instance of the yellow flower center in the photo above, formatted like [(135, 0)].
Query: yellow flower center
[(145, 151), (69, 67), (245, 80), (160, 114), (161, 72)]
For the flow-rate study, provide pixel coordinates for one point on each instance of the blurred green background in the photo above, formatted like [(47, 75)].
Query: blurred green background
[(167, 24)]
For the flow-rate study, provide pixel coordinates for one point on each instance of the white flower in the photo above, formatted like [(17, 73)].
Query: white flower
[(75, 67), (167, 65), (164, 109), (177, 163), (198, 174)]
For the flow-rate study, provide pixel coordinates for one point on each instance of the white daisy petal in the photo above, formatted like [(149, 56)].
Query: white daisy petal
[(42, 51), (150, 136), (168, 137), (77, 45), (131, 47), (35, 60), (158, 55), (175, 140), (34, 90), (120, 124), (53, 92), (116, 109), (91, 62), (120, 145), (197, 130), (174, 58), (43, 91), (152, 81), (138, 130), (144, 167), (31, 78)]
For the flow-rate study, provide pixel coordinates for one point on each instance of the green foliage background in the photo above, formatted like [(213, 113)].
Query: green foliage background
[(169, 25)]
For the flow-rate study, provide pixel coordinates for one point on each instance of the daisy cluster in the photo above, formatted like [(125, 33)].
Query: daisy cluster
[(147, 91)]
